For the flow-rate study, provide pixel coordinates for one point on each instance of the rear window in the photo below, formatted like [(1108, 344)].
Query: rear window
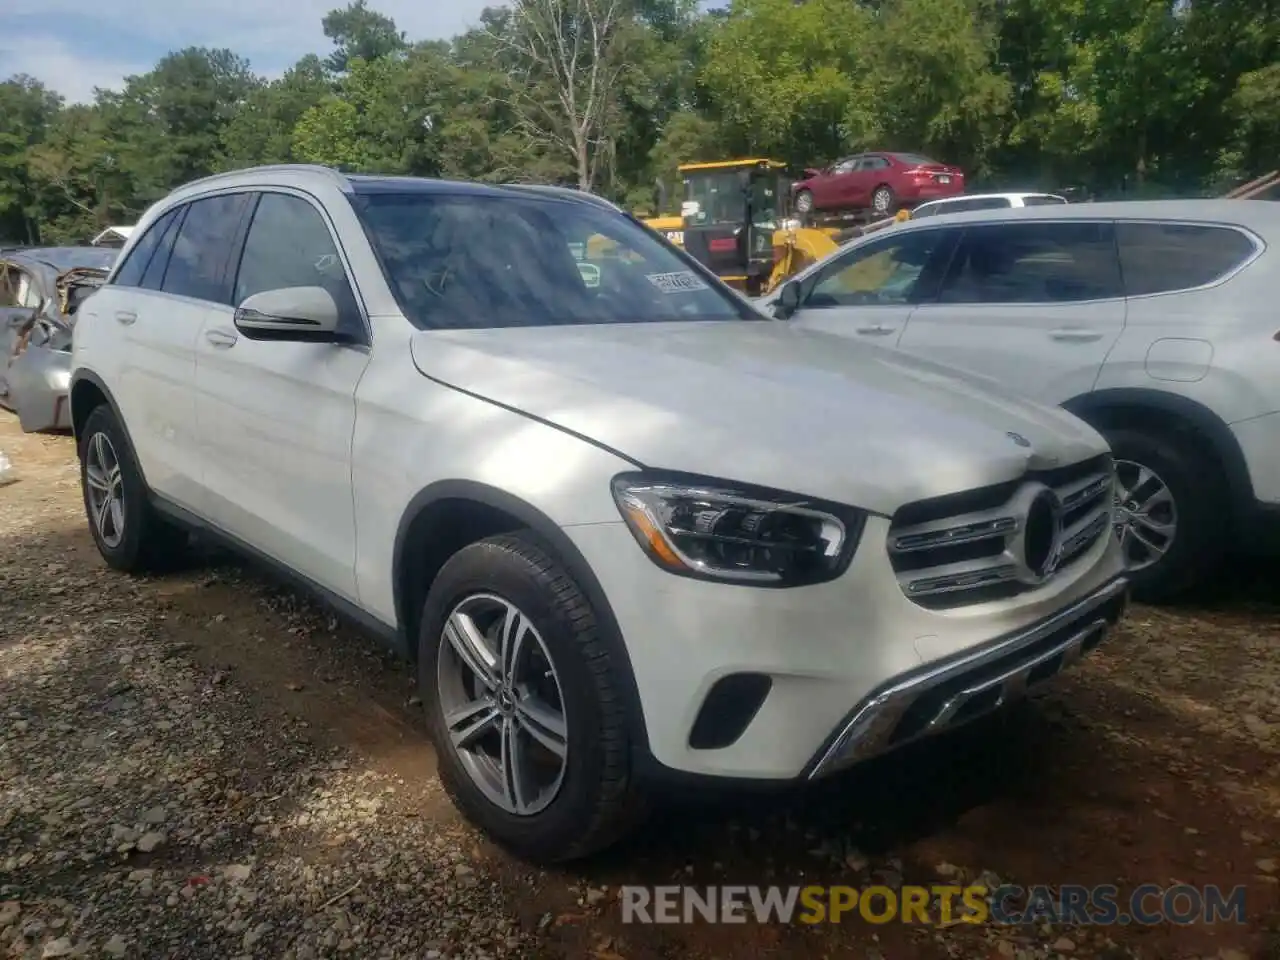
[(469, 262), (1042, 200), (1164, 257), (917, 160)]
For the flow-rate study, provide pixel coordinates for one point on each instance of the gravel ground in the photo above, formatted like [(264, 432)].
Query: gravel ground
[(207, 766)]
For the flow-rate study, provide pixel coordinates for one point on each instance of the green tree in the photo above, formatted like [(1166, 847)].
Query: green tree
[(27, 109), (262, 130), (785, 77), (360, 33)]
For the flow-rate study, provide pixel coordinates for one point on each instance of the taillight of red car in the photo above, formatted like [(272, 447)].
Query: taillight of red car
[(926, 174)]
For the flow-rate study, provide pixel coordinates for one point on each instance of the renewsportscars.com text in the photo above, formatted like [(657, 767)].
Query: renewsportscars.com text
[(940, 904)]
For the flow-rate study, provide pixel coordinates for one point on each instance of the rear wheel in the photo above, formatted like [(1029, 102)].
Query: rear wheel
[(882, 201), (126, 528), (522, 703), (804, 203), (1171, 512)]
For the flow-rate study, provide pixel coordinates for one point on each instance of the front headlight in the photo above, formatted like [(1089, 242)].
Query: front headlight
[(714, 530)]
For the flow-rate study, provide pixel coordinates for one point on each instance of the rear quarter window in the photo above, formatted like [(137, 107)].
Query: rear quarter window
[(1166, 257)]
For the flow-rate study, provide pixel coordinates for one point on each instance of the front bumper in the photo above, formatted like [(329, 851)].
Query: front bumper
[(823, 650), (953, 692)]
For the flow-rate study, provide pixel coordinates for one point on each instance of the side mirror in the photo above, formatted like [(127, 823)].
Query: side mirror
[(810, 172), (788, 300), (308, 314)]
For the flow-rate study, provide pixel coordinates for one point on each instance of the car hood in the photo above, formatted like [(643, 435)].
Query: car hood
[(763, 403)]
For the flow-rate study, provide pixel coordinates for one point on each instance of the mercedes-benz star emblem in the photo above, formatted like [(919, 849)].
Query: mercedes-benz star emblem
[(1018, 438), (1043, 535)]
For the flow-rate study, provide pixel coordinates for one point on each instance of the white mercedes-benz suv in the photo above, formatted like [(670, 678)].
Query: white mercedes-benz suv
[(629, 529)]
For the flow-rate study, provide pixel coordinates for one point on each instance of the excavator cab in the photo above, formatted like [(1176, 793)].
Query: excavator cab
[(730, 211)]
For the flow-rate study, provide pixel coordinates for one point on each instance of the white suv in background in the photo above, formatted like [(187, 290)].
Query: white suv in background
[(968, 202), (629, 529), (1155, 321)]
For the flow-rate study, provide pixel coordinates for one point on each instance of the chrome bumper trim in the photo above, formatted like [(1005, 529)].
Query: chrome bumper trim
[(976, 682)]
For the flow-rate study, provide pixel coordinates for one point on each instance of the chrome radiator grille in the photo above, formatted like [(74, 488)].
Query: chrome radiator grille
[(1000, 541)]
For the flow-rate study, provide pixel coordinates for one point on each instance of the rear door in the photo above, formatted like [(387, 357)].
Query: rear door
[(830, 189), (1035, 304), (872, 171), (155, 305), (868, 292)]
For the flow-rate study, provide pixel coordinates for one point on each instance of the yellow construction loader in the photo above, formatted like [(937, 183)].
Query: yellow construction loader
[(735, 219)]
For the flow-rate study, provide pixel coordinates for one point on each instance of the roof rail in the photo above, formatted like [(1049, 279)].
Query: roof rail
[(315, 168)]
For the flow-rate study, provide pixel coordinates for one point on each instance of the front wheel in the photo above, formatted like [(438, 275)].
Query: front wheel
[(804, 203), (523, 704), (1171, 513)]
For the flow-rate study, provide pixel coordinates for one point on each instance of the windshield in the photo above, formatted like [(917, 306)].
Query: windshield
[(714, 197), (469, 262)]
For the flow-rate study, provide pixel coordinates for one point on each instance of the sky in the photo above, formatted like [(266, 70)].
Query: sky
[(75, 45)]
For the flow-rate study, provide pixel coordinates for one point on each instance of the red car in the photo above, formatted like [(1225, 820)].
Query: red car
[(879, 182)]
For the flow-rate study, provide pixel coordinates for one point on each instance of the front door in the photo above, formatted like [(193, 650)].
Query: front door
[(868, 292), (1037, 305), (276, 418)]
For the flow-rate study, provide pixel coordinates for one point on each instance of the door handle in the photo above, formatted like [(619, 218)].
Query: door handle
[(126, 317), (1075, 335), (221, 338), (878, 330)]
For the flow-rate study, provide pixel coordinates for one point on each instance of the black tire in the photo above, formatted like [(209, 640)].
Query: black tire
[(598, 800), (804, 204), (1198, 490), (148, 542), (887, 202)]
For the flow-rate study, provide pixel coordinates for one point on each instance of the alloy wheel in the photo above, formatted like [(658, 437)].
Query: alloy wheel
[(106, 489), (502, 703), (1146, 515), (881, 200)]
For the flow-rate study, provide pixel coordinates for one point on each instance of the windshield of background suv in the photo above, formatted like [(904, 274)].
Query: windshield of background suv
[(470, 262)]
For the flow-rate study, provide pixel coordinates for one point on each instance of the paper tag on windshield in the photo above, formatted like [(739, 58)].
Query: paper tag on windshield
[(683, 281)]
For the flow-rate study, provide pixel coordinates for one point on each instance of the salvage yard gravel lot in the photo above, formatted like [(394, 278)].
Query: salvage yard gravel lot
[(205, 765)]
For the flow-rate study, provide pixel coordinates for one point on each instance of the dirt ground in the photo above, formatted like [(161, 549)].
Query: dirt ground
[(207, 765)]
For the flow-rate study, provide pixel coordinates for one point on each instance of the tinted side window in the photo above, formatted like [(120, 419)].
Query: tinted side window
[(153, 278), (1160, 257), (1033, 263), (203, 246), (891, 271), (1042, 201), (135, 265), (289, 245)]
